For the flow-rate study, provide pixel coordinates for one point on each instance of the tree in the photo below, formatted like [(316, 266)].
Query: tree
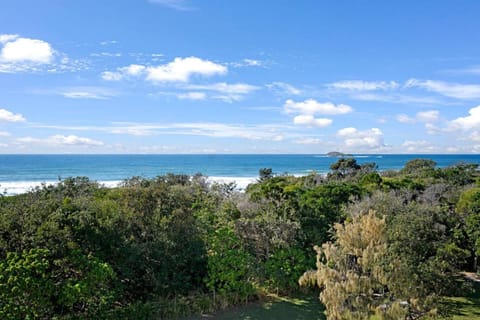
[(264, 174), (419, 167), (469, 206), (344, 167), (351, 272)]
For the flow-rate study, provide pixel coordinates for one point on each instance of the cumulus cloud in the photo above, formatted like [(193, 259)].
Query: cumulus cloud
[(61, 140), (421, 116), (470, 122), (312, 107), (424, 146), (311, 121), (133, 70), (16, 49), (448, 89), (181, 70), (8, 37), (356, 139), (178, 70), (8, 116), (360, 85)]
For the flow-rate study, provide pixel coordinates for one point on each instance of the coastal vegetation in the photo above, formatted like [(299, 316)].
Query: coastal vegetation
[(369, 244)]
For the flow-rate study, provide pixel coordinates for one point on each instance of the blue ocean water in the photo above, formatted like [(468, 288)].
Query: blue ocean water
[(20, 172)]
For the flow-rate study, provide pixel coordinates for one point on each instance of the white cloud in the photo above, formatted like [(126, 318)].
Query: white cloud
[(178, 70), (403, 118), (422, 116), (432, 129), (4, 134), (397, 98), (424, 146), (428, 116), (308, 141), (106, 54), (180, 5), (108, 42), (220, 130), (312, 107), (311, 121), (222, 87), (247, 63), (133, 70), (111, 76), (360, 85), (8, 37), (8, 116), (475, 136), (252, 62), (84, 95), (209, 129), (225, 91), (17, 49), (181, 69), (194, 95), (470, 122), (80, 92), (284, 88), (452, 90), (61, 140), (416, 146), (355, 139)]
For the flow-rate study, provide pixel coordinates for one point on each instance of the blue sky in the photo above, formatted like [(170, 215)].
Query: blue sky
[(216, 76)]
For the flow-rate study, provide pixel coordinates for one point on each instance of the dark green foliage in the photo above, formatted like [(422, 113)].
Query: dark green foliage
[(422, 255), (35, 285), (469, 208), (265, 173), (229, 266), (285, 266), (175, 244), (459, 175), (321, 207), (419, 168), (344, 167), (25, 285)]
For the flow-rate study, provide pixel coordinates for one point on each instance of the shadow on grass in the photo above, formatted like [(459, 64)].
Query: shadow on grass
[(301, 308), (466, 305)]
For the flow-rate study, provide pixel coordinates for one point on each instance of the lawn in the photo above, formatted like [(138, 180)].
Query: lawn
[(301, 308), (466, 307), (462, 307)]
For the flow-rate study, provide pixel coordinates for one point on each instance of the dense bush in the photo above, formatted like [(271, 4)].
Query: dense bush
[(174, 245)]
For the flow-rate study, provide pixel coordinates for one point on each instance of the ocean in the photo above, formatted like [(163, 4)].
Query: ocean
[(19, 173)]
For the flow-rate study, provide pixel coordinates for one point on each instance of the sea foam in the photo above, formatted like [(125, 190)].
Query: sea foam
[(11, 188)]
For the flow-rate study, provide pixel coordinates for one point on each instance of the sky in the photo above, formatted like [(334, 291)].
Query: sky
[(239, 76)]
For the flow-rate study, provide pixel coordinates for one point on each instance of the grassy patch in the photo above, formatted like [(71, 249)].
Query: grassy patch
[(467, 306), (300, 308)]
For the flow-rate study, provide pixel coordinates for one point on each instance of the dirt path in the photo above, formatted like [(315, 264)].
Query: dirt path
[(472, 276)]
